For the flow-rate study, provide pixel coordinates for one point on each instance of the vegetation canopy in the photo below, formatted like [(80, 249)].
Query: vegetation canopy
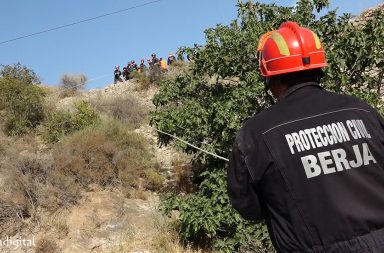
[(209, 105), (21, 99)]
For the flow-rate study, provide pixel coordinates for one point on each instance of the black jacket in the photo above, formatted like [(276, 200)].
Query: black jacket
[(312, 166)]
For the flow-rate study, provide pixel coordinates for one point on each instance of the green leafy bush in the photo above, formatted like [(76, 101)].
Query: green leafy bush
[(21, 98), (207, 109), (59, 123)]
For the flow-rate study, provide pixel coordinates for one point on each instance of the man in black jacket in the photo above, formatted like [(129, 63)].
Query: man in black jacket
[(312, 165)]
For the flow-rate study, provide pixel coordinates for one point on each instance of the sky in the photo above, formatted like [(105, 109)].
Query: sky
[(94, 48)]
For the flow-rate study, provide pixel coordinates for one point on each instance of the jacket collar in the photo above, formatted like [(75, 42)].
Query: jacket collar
[(296, 87)]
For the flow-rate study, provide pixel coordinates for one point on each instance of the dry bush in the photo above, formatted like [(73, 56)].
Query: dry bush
[(49, 187), (155, 75), (89, 157), (35, 179), (71, 84), (177, 68), (45, 245), (60, 191), (108, 155), (183, 179), (143, 78), (167, 239), (17, 201), (137, 194), (153, 180), (126, 108), (57, 221), (4, 142)]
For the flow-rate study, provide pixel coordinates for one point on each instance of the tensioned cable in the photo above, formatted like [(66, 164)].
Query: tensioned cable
[(189, 144), (79, 22)]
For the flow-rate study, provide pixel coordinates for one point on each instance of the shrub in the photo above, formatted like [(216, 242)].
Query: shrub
[(21, 98), (143, 78), (71, 84), (89, 158), (153, 180), (184, 174), (154, 74), (126, 108), (45, 245), (178, 68), (19, 72), (108, 155), (60, 123), (16, 200), (47, 186)]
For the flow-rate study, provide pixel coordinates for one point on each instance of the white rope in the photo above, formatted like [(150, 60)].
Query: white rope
[(191, 145)]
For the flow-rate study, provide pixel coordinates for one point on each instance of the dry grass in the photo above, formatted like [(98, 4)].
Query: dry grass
[(89, 157), (60, 191), (126, 108), (49, 187), (161, 236), (153, 180), (56, 221), (108, 155), (46, 245), (29, 184), (178, 68), (168, 242), (4, 140), (183, 175), (167, 238), (17, 201), (143, 78)]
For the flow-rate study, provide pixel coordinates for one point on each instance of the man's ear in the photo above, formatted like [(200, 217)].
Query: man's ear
[(277, 87)]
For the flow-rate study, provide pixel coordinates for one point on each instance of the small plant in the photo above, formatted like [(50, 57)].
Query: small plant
[(61, 123), (153, 180)]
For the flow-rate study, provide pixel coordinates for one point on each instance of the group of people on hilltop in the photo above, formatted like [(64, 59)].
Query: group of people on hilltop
[(155, 65)]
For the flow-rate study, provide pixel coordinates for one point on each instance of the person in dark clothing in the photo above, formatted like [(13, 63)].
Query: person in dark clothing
[(117, 74), (311, 165), (150, 63), (133, 66), (126, 74), (142, 67), (171, 59), (155, 72), (155, 60)]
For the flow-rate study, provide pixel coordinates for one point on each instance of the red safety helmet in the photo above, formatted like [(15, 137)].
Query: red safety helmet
[(289, 49)]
